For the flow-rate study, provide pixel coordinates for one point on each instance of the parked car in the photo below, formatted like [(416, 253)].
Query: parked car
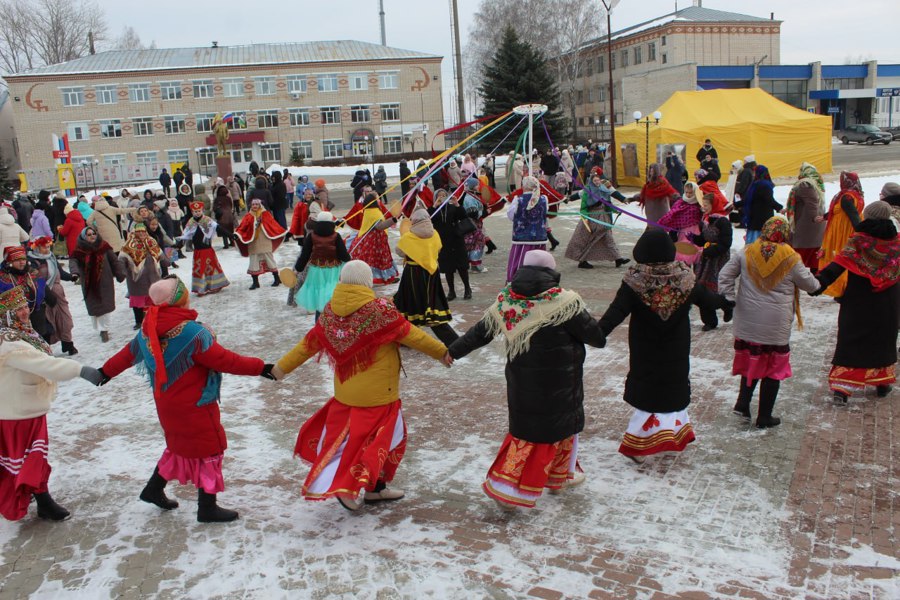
[(894, 131), (868, 134)]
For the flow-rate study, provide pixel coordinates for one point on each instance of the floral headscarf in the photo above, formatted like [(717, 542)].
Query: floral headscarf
[(811, 177), (770, 259), (850, 183), (139, 246)]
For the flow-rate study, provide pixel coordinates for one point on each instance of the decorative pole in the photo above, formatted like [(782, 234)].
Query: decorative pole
[(530, 110)]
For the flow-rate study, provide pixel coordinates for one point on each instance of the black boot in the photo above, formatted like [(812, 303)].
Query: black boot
[(255, 285), (585, 265), (277, 281), (210, 512), (491, 246), (882, 391), (622, 261), (138, 317), (553, 241), (69, 348), (49, 509), (745, 395), (467, 289), (768, 392), (154, 492)]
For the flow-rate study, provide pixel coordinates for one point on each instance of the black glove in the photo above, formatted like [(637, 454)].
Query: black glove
[(95, 376), (818, 292), (50, 299), (267, 372), (75, 278)]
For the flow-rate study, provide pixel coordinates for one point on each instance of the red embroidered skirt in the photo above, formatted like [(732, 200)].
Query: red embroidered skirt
[(350, 448), (851, 379), (208, 277), (373, 249), (24, 469), (651, 433), (205, 473), (523, 469)]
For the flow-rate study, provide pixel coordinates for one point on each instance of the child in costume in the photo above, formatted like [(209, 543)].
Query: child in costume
[(322, 256), (207, 275), (371, 244)]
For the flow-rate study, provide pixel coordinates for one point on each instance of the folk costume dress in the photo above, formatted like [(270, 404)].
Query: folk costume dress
[(371, 244), (258, 236), (420, 297), (685, 217), (528, 214), (207, 276), (35, 287), (143, 260), (357, 440), (28, 377), (592, 239), (322, 257), (842, 217), (545, 329), (805, 202), (58, 314), (866, 350), (184, 363), (657, 293), (656, 195)]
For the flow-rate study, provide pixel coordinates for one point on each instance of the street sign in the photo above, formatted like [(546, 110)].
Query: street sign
[(348, 147), (834, 110), (887, 92)]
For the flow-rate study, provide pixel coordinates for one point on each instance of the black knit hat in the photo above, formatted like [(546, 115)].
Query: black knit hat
[(654, 246)]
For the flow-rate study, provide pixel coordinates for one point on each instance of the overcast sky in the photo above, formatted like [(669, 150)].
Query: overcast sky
[(832, 31)]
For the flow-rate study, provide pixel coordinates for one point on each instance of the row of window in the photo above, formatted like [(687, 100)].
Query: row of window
[(635, 53), (265, 119), (233, 87), (599, 94)]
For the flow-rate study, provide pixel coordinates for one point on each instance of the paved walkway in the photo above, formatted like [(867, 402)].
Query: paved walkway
[(805, 510)]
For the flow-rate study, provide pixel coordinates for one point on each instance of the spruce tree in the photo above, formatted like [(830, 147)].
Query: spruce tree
[(518, 74), (6, 185)]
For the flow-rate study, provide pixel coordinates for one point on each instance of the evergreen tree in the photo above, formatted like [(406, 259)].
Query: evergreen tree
[(6, 185), (518, 74)]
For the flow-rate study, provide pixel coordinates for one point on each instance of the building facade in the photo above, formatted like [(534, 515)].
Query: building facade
[(127, 114)]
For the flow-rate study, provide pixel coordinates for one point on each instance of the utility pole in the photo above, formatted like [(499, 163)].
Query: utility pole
[(457, 64), (381, 16), (608, 5)]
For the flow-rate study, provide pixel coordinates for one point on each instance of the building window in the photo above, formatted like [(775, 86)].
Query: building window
[(331, 115), (638, 59), (78, 132), (146, 159), (206, 157), (299, 117), (665, 58), (242, 152), (177, 156), (651, 51), (601, 97), (590, 95), (203, 88), (111, 128), (106, 94), (612, 61), (271, 153), (601, 64), (392, 144), (238, 122), (579, 97), (267, 119), (73, 96), (139, 92), (264, 86), (590, 67), (663, 42), (789, 91), (174, 124), (170, 90), (234, 87), (296, 84), (389, 80), (390, 112), (624, 61), (358, 81), (301, 150), (143, 126), (332, 148), (359, 114), (327, 82), (204, 122), (114, 160), (77, 160), (846, 83)]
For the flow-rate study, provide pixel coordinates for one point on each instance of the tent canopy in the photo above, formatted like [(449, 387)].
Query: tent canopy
[(738, 122)]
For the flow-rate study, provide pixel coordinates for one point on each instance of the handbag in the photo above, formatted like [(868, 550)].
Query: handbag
[(466, 226), (60, 249)]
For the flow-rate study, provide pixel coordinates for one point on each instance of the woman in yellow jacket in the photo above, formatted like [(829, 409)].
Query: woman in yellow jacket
[(357, 440)]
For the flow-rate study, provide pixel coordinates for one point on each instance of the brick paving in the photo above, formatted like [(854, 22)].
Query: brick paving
[(805, 510)]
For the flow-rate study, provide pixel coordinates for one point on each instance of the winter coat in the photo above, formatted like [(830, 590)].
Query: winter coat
[(71, 229), (279, 196), (405, 183), (57, 215), (200, 194), (223, 213), (744, 179), (453, 255), (675, 173), (549, 164), (763, 317), (762, 208), (28, 378), (40, 225), (659, 351), (165, 180), (99, 300), (11, 234), (544, 388), (807, 233), (104, 221), (150, 274), (23, 208), (260, 191)]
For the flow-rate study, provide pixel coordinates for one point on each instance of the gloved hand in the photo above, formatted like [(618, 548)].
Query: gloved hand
[(75, 278), (95, 376), (267, 372)]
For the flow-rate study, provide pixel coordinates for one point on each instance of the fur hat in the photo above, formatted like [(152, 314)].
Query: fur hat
[(654, 246), (325, 217), (356, 272), (169, 291), (539, 258), (877, 210)]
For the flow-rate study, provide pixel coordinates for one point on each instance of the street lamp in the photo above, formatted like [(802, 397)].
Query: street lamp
[(374, 145), (646, 122), (596, 128), (609, 5), (84, 165)]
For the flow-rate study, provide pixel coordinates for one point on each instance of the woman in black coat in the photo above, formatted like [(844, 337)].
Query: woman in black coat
[(658, 293), (545, 328), (279, 199), (866, 350), (453, 257)]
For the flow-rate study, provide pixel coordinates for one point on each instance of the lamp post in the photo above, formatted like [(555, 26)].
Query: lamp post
[(374, 144), (84, 165), (609, 5), (596, 128), (646, 122)]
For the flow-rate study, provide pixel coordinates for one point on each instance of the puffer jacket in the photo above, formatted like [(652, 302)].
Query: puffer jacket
[(11, 234), (544, 389), (763, 317), (103, 219)]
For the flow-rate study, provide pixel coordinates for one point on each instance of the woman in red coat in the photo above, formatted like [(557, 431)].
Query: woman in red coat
[(186, 376), (71, 228)]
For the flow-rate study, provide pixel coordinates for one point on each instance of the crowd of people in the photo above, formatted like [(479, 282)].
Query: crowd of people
[(357, 440)]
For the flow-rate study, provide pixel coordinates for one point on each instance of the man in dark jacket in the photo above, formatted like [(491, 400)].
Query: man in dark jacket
[(745, 177), (165, 180), (24, 208), (549, 164), (360, 178), (707, 149), (545, 328), (178, 178), (404, 178)]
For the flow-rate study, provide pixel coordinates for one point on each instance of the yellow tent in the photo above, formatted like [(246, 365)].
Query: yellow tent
[(738, 122)]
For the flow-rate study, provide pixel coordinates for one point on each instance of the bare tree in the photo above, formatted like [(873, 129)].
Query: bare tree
[(561, 29), (46, 32), (129, 40)]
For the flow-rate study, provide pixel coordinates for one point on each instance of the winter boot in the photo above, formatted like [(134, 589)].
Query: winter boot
[(467, 288), (154, 492), (491, 246), (585, 265), (138, 317), (882, 391), (622, 261), (210, 512), (255, 285), (382, 493), (745, 395), (553, 241), (768, 392), (69, 348), (49, 509), (277, 280), (291, 300), (104, 336)]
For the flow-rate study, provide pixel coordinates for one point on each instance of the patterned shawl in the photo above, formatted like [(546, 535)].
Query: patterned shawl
[(662, 287), (683, 215), (138, 247), (874, 258), (657, 186), (808, 176), (18, 331), (91, 257)]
